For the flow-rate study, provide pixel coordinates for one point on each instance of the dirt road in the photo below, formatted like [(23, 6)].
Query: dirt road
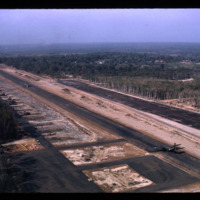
[(182, 116), (53, 171)]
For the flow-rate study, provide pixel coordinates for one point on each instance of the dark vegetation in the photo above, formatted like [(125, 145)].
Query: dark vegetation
[(175, 49), (9, 126), (152, 70), (9, 131)]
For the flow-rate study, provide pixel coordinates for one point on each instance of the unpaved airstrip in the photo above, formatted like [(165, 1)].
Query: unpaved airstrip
[(79, 142)]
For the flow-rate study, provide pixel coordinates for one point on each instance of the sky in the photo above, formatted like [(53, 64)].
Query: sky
[(54, 26)]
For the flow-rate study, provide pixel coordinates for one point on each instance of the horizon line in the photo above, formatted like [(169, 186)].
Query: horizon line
[(66, 43)]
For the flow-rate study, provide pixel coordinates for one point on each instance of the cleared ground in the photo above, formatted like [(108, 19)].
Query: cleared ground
[(182, 116), (112, 179), (77, 157), (102, 153)]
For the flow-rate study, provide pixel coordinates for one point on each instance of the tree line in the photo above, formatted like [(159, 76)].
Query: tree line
[(113, 64), (151, 75), (153, 88)]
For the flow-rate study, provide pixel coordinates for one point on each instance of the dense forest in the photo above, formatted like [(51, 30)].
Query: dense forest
[(146, 74), (109, 64)]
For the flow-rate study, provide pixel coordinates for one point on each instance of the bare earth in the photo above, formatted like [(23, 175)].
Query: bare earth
[(63, 130), (112, 179), (150, 124), (101, 153)]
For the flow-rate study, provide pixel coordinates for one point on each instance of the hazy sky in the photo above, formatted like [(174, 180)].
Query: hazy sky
[(44, 26)]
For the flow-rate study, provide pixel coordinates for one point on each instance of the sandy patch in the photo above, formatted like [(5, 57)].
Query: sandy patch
[(27, 144), (117, 178), (191, 188), (183, 104), (102, 153)]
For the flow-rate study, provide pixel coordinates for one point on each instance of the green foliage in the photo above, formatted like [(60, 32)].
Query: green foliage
[(151, 75), (154, 88), (113, 64)]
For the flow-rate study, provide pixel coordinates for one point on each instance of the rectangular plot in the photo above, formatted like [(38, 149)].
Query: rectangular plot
[(102, 153), (117, 178), (27, 144)]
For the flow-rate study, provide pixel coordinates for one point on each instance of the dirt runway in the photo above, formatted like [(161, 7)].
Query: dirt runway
[(182, 116), (50, 170)]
